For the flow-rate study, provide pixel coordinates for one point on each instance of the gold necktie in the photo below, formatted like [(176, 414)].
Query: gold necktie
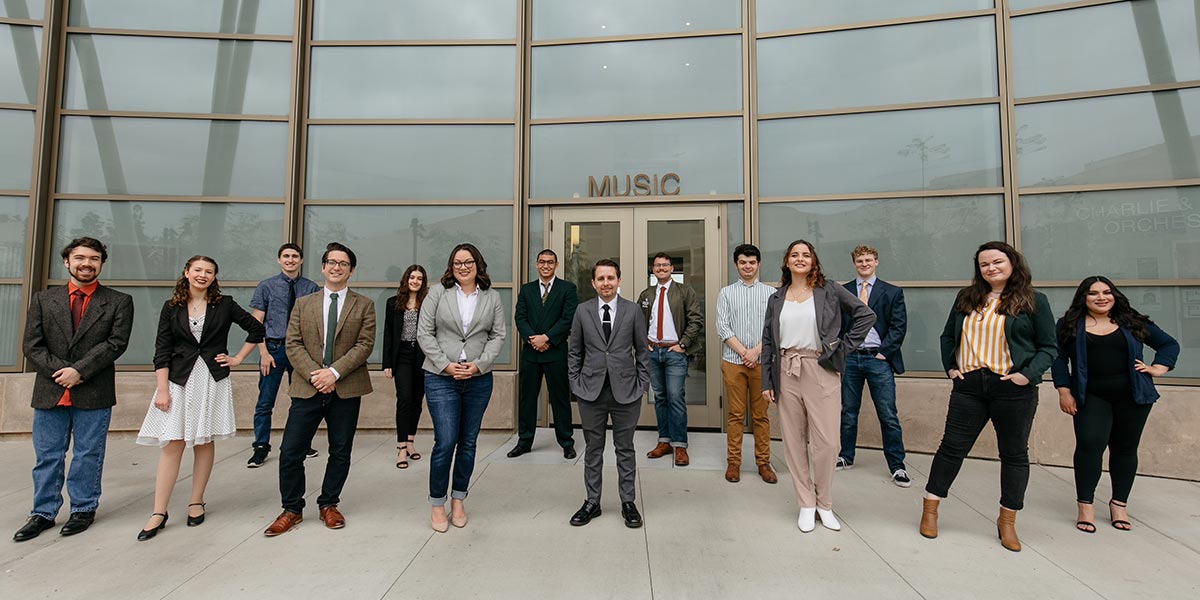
[(862, 292)]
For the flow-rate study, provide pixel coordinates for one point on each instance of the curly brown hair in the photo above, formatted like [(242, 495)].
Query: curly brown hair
[(182, 295)]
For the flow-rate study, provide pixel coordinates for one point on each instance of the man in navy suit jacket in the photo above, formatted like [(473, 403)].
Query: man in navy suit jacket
[(876, 361)]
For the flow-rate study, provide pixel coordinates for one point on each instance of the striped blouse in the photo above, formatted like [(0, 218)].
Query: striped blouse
[(983, 344)]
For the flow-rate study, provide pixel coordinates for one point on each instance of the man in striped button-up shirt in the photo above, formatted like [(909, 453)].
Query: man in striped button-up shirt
[(741, 309)]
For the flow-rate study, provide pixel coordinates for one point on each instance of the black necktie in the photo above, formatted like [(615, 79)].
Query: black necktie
[(291, 295), (76, 309), (607, 322)]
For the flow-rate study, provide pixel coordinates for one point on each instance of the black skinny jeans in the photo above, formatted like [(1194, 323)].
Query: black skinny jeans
[(410, 388), (304, 417), (977, 398), (1116, 423)]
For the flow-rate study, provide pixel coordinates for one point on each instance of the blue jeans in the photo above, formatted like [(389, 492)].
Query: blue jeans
[(53, 430), (268, 388), (878, 375), (456, 407), (668, 373)]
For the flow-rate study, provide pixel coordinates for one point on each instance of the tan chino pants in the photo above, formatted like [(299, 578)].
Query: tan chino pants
[(743, 385)]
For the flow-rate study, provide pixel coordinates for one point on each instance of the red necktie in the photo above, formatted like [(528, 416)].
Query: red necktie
[(76, 309), (662, 293)]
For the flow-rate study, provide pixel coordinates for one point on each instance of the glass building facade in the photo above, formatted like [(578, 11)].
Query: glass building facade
[(169, 128)]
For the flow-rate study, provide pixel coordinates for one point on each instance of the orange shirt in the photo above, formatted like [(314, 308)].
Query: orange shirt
[(87, 290)]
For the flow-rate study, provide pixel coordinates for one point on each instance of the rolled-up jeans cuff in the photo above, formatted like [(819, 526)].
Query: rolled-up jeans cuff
[(679, 444), (457, 495), (437, 501), (664, 440)]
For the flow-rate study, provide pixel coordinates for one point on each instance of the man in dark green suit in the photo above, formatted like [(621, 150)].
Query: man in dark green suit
[(545, 309)]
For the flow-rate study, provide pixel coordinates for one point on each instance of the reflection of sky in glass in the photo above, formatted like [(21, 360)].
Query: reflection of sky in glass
[(414, 19), (14, 217), (20, 49), (776, 15), (272, 17), (557, 19), (22, 9), (16, 149)]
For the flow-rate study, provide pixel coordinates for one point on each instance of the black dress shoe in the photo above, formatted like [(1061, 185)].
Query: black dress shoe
[(569, 452), (146, 534), (585, 514), (633, 518), (32, 528), (78, 523), (518, 450)]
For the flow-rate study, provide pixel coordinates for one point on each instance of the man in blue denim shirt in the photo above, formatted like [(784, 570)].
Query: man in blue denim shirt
[(272, 305)]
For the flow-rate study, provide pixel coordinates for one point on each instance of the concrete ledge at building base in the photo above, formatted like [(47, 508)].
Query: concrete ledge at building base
[(134, 391), (1169, 445)]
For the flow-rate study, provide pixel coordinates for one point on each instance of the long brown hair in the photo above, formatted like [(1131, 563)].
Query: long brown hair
[(182, 295), (1122, 313), (815, 277), (403, 293), (1017, 296), (481, 276)]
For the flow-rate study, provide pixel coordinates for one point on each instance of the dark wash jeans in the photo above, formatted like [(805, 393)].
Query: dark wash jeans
[(268, 388), (305, 416), (977, 398), (456, 408), (878, 376)]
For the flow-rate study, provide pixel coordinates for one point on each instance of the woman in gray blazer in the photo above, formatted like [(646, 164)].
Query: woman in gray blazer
[(803, 352), (461, 332)]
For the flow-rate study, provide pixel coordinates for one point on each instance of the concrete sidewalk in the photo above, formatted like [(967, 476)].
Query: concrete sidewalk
[(704, 537)]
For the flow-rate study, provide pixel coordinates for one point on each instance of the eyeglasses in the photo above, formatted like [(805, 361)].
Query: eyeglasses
[(463, 264), (548, 263), (662, 265), (337, 263)]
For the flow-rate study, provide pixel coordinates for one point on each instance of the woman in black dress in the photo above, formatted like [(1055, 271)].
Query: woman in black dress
[(402, 359)]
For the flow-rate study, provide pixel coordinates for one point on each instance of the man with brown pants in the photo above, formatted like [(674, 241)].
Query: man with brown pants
[(741, 308)]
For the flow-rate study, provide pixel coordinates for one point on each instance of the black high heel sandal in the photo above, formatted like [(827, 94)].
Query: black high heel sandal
[(1085, 526), (412, 449), (153, 531), (402, 463), (1119, 524), (194, 521)]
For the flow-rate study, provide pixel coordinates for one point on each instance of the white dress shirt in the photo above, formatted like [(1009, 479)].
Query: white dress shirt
[(466, 309), (612, 309), (325, 318), (873, 340), (668, 326)]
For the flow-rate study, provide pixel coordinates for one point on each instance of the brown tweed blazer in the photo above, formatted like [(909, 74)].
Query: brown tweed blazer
[(353, 344)]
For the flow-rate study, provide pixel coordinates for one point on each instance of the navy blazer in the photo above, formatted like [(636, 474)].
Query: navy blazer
[(1074, 375), (891, 319)]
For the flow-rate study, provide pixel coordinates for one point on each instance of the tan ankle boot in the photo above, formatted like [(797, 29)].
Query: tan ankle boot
[(1006, 527), (929, 516)]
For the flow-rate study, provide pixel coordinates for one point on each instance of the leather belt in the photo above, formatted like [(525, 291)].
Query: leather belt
[(661, 344), (867, 351)]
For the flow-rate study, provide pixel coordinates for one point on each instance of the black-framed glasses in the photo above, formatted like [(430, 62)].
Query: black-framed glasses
[(337, 263), (547, 263), (464, 264)]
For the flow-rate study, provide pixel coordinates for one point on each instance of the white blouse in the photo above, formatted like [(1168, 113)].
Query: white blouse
[(798, 326)]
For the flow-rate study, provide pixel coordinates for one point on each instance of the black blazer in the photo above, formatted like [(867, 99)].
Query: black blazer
[(891, 319), (553, 319), (393, 324), (92, 349), (176, 349)]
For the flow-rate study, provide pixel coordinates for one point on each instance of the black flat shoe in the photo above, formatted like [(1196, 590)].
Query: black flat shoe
[(78, 523), (585, 514), (194, 521), (32, 528), (518, 450), (149, 533), (633, 519), (569, 453)]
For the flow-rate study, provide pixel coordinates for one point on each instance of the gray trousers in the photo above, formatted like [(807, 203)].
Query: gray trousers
[(594, 417)]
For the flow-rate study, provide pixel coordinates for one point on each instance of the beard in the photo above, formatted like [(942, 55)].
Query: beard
[(82, 276)]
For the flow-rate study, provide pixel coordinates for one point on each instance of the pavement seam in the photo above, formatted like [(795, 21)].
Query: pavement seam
[(885, 561), (646, 537)]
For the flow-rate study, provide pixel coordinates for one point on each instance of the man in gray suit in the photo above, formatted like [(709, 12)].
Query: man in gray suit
[(73, 336), (607, 368)]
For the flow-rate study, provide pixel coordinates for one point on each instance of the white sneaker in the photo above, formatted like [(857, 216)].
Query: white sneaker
[(807, 521), (843, 465), (828, 520), (900, 477)]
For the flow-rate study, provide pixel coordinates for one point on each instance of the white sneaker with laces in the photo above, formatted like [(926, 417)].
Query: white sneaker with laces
[(843, 465), (828, 520), (808, 519), (900, 477)]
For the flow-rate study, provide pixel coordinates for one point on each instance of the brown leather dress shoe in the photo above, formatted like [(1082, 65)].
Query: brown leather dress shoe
[(659, 451), (332, 518), (285, 521), (681, 457), (733, 473), (767, 474)]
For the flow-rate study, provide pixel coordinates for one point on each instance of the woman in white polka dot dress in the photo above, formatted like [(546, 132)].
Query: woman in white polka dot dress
[(193, 400)]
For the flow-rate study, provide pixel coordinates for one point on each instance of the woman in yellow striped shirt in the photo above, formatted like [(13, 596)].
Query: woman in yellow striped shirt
[(998, 340)]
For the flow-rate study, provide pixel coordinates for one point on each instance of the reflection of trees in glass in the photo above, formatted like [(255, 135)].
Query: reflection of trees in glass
[(1029, 142), (12, 243), (1168, 105), (925, 150)]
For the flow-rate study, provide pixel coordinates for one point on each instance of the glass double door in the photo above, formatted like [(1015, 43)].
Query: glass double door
[(632, 236)]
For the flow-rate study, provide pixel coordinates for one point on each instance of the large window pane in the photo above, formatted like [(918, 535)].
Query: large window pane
[(1102, 47), (20, 49), (735, 234), (102, 155), (106, 72), (941, 148), (632, 78), (927, 309), (1175, 309), (775, 15), (11, 311), (22, 9), (1131, 234), (14, 216), (413, 82), (387, 239), (1024, 4), (414, 19), (16, 149), (273, 17), (1134, 137), (452, 162), (558, 19), (147, 306), (883, 65), (705, 154), (536, 222), (918, 239), (152, 240)]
